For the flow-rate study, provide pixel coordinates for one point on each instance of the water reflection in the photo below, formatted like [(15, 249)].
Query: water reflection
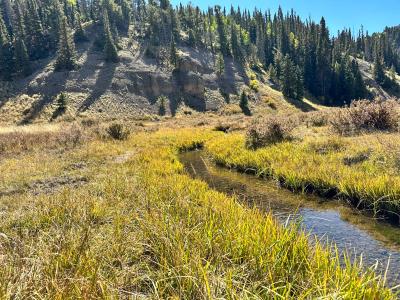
[(316, 215)]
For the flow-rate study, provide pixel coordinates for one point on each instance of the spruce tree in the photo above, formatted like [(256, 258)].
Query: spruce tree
[(192, 38), (22, 63), (173, 53), (379, 72), (299, 84), (37, 42), (110, 50), (220, 64), (288, 78), (323, 60), (244, 103), (223, 40), (66, 48), (79, 35), (235, 44), (6, 53)]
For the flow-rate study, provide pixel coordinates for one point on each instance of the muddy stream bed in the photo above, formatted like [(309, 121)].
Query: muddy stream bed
[(328, 220)]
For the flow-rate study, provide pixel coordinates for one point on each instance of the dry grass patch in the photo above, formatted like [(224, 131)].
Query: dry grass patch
[(144, 229)]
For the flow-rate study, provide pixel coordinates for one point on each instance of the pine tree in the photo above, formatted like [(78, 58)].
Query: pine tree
[(220, 64), (173, 53), (22, 63), (66, 48), (79, 35), (192, 39), (323, 60), (162, 110), (37, 42), (244, 103), (8, 15), (223, 40), (110, 50), (288, 78), (379, 72), (299, 84), (6, 53), (235, 44)]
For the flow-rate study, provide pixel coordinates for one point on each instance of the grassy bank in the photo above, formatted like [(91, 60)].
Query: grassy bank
[(141, 228), (363, 170)]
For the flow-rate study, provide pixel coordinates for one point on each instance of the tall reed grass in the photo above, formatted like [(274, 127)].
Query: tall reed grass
[(143, 229)]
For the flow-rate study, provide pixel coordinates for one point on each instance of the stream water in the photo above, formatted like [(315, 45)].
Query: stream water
[(330, 221)]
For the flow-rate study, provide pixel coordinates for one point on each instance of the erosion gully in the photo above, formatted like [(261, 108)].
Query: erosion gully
[(331, 221)]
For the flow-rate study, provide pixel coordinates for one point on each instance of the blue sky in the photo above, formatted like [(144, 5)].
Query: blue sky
[(374, 15)]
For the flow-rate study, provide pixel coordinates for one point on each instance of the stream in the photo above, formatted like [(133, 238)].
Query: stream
[(331, 221)]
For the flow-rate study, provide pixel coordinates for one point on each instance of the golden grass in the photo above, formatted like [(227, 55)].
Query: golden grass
[(144, 229), (328, 165)]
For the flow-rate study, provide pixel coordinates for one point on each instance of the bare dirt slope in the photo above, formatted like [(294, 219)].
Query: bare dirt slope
[(130, 87)]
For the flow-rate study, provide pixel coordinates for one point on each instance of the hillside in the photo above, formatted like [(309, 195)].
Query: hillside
[(208, 69)]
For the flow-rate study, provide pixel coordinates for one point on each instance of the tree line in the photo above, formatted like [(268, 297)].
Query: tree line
[(301, 56)]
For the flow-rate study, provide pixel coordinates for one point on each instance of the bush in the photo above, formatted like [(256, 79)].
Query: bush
[(244, 103), (117, 131), (254, 85), (61, 102), (317, 119), (162, 109), (231, 109), (268, 131), (365, 115)]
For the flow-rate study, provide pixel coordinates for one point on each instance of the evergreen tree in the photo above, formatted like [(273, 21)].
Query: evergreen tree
[(162, 110), (299, 84), (22, 63), (37, 42), (379, 72), (235, 44), (79, 35), (110, 50), (173, 53), (192, 39), (244, 103), (220, 64), (223, 40), (360, 90), (6, 53), (288, 78), (323, 61), (66, 48), (7, 12)]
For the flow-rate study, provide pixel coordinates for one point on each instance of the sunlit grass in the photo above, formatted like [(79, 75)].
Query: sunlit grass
[(142, 228), (364, 170)]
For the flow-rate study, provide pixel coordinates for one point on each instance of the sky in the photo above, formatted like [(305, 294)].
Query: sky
[(374, 15)]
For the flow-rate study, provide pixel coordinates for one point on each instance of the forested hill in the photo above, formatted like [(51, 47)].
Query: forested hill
[(299, 56)]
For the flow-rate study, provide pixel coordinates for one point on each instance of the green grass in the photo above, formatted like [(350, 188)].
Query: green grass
[(364, 170), (142, 228)]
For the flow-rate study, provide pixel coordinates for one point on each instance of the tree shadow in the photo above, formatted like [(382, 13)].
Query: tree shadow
[(303, 106), (174, 103), (57, 82), (246, 111), (227, 82), (103, 82), (196, 103)]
